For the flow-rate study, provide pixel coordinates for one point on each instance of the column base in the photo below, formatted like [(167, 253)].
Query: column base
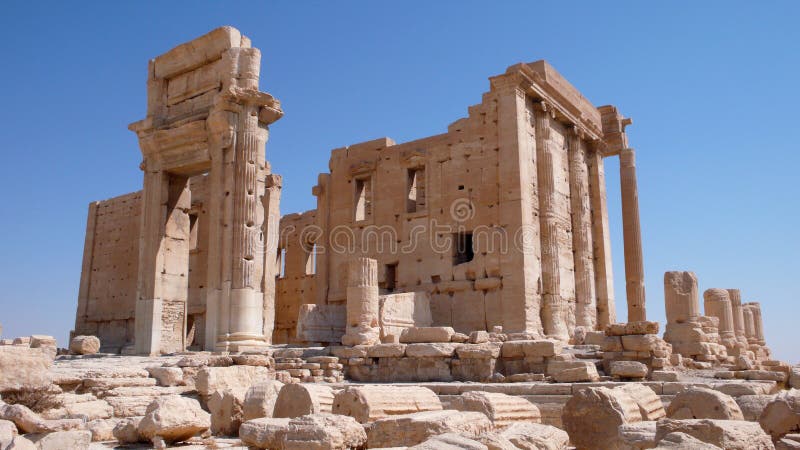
[(147, 327), (241, 342)]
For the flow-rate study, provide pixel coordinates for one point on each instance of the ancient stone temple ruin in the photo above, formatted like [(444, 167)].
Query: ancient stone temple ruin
[(472, 266)]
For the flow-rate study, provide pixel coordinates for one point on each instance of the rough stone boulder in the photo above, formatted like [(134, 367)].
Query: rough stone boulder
[(503, 410), (650, 405), (726, 434), (412, 429), (314, 431), (7, 433), (753, 405), (23, 368), (167, 376), (535, 436), (628, 369), (592, 416), (84, 345), (426, 334), (781, 416), (213, 379), (449, 441), (295, 400), (369, 403), (639, 435), (682, 441), (704, 403), (62, 440), (174, 419), (572, 371), (21, 443), (226, 408), (259, 401), (29, 422), (126, 431), (263, 432)]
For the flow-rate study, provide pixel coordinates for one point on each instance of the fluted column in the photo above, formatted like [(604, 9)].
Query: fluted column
[(718, 304), (585, 308), (553, 305), (738, 315), (601, 241), (270, 229), (680, 297), (749, 324), (758, 323), (363, 327), (632, 237)]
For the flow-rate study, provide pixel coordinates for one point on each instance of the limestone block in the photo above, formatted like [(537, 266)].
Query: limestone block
[(264, 432), (412, 429), (7, 433), (683, 441), (386, 351), (782, 415), (650, 405), (321, 323), (752, 405), (478, 337), (535, 436), (449, 441), (253, 359), (727, 434), (102, 429), (680, 296), (213, 379), (29, 422), (572, 371), (703, 403), (431, 350), (295, 400), (167, 376), (369, 403), (226, 408), (174, 419), (259, 401), (479, 351), (640, 342), (404, 310), (663, 375), (323, 432), (127, 431), (426, 334), (640, 327), (84, 345), (638, 435), (21, 443), (592, 416), (628, 369), (60, 440), (23, 368), (503, 410)]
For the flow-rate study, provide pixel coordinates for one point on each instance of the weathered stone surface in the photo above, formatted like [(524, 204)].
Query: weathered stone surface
[(263, 432), (259, 401), (479, 351), (532, 348), (727, 434), (174, 419), (503, 410), (295, 400), (426, 334), (167, 376), (591, 416), (84, 345), (431, 350), (753, 405), (703, 403), (412, 429), (61, 440), (102, 429), (213, 379), (640, 342), (226, 408), (535, 436), (449, 441), (650, 405), (7, 433), (781, 416), (683, 441), (23, 368), (628, 369), (323, 432), (126, 431), (638, 435), (386, 351), (363, 304), (369, 403), (29, 422), (640, 327), (572, 371)]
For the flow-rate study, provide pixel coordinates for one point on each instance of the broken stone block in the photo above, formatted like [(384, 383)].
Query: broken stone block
[(369, 403), (640, 435), (23, 368), (592, 416), (449, 441), (650, 405), (572, 371), (412, 429), (295, 400), (415, 335), (431, 350), (628, 369), (703, 403), (622, 329), (535, 436), (479, 351), (167, 376), (478, 337), (126, 431), (226, 408), (726, 434), (386, 351), (323, 432), (782, 415), (174, 419), (259, 401), (640, 342), (752, 405), (263, 432), (213, 379), (503, 410), (7, 433), (61, 440), (84, 345), (28, 421), (682, 441)]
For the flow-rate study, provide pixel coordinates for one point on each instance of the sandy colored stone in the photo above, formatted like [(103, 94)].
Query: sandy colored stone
[(167, 376), (727, 434), (503, 410), (323, 432), (22, 443), (535, 436), (226, 408), (174, 419), (703, 403), (102, 429), (628, 369), (29, 422), (449, 441), (295, 400), (572, 371), (638, 435), (431, 350), (126, 431), (363, 303), (752, 405), (60, 440), (650, 405), (213, 379), (23, 368), (7, 433), (781, 416), (259, 401), (591, 416), (84, 345), (263, 432), (683, 441), (412, 429), (426, 334), (369, 403)]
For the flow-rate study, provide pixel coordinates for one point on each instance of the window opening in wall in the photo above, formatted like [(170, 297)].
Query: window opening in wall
[(415, 190), (281, 262), (193, 225), (463, 251), (311, 258), (391, 277), (363, 209)]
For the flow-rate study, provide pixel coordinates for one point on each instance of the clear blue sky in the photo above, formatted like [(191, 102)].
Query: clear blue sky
[(711, 86)]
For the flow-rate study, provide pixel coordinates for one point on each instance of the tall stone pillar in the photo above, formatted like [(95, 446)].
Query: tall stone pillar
[(718, 304), (632, 237), (749, 324), (681, 297), (585, 306), (363, 327), (271, 231), (553, 308), (738, 315), (601, 242), (758, 323)]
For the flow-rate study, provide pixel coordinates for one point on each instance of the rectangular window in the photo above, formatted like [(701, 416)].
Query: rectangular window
[(391, 277), (193, 232), (363, 200), (281, 262), (311, 258), (415, 190), (463, 250)]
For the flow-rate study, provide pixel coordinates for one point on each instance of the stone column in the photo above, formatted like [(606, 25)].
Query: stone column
[(585, 308), (749, 324), (632, 237), (758, 323), (363, 327), (680, 297), (738, 315), (270, 229), (322, 219), (86, 271), (718, 304), (553, 314), (601, 242)]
